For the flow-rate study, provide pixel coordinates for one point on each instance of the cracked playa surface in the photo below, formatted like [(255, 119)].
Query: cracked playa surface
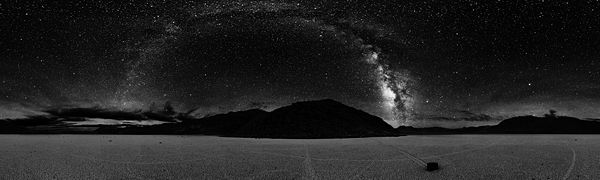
[(206, 157)]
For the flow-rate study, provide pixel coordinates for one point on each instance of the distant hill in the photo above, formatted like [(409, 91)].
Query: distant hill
[(220, 124), (224, 124), (310, 119), (520, 125), (316, 119), (551, 125)]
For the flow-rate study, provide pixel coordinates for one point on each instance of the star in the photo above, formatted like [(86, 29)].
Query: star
[(401, 61)]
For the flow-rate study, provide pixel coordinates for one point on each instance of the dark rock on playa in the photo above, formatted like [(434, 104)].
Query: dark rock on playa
[(432, 166)]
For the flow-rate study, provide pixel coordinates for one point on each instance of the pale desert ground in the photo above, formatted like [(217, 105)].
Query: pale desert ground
[(207, 157)]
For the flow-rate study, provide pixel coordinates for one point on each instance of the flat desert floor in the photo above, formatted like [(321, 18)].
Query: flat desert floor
[(207, 157)]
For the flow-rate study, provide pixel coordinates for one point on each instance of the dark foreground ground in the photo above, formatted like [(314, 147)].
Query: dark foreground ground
[(207, 157)]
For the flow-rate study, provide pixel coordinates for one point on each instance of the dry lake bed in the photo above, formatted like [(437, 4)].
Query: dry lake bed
[(207, 157)]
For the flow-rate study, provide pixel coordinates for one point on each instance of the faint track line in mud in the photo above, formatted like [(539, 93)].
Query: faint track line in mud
[(464, 151), (408, 155), (139, 163), (406, 158), (143, 163), (265, 172), (573, 159), (13, 157), (401, 159), (309, 170), (224, 173), (277, 154), (363, 170), (130, 170), (459, 152), (359, 160), (4, 165), (371, 163), (274, 154)]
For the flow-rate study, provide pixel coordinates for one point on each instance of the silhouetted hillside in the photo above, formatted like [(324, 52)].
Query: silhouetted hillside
[(224, 124), (316, 119), (221, 124), (311, 119), (519, 125), (550, 125)]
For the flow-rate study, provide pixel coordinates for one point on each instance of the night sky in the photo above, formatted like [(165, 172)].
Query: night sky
[(421, 63)]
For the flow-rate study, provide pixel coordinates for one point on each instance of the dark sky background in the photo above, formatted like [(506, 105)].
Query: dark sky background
[(421, 63)]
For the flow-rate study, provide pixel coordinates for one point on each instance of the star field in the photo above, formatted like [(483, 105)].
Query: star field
[(443, 63)]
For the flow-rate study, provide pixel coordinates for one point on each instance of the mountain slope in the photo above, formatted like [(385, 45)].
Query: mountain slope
[(316, 119), (558, 124), (519, 125), (223, 124)]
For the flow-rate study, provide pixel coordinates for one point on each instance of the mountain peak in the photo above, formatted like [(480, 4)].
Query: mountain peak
[(325, 118), (318, 102)]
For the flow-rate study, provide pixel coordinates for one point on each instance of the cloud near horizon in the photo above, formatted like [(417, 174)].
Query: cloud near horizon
[(12, 110)]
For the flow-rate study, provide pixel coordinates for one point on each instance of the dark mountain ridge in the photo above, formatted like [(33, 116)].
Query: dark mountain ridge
[(548, 124), (310, 119), (519, 125)]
